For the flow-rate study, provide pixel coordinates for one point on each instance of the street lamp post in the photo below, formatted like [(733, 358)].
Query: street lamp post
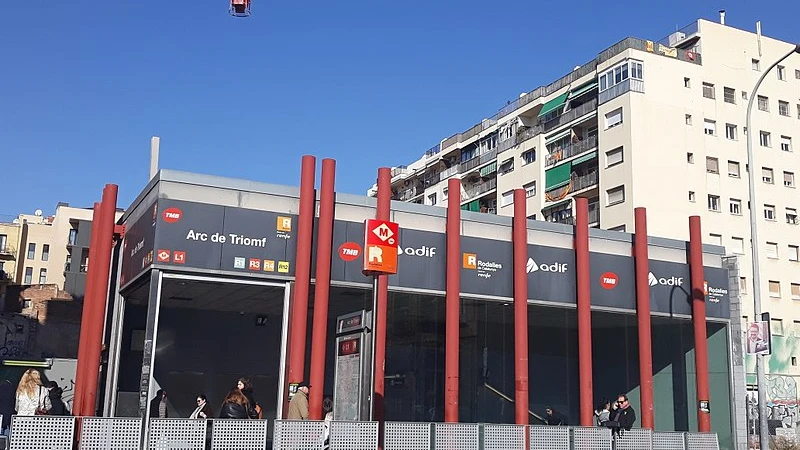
[(763, 435)]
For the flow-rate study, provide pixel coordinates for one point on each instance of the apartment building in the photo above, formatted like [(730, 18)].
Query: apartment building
[(658, 124), (55, 249), (9, 237)]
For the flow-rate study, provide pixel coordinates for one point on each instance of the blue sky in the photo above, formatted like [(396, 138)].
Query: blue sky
[(84, 85)]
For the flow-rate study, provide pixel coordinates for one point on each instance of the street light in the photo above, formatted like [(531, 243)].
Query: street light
[(763, 435)]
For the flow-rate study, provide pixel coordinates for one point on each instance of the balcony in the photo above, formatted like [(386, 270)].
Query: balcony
[(408, 194), (7, 253), (448, 173), (594, 213), (479, 189), (580, 183), (569, 151), (570, 115), (629, 85)]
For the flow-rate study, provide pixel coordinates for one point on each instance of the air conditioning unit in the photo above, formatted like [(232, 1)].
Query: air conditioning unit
[(676, 37)]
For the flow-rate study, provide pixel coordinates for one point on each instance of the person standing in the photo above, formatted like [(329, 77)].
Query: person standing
[(32, 397), (203, 411), (58, 407), (234, 406), (298, 407), (158, 405), (7, 401), (553, 417), (246, 386), (623, 413), (603, 413)]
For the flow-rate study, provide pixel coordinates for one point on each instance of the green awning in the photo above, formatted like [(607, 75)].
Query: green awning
[(553, 104), (487, 170), (562, 135), (583, 89), (474, 205), (584, 158), (557, 176)]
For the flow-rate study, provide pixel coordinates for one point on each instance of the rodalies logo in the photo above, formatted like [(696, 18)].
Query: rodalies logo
[(485, 269), (714, 294)]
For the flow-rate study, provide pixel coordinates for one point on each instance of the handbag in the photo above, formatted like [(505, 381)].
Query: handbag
[(40, 409)]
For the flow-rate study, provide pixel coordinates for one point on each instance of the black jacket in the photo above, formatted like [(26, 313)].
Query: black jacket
[(154, 406), (626, 417), (58, 407), (556, 419), (232, 411), (251, 404)]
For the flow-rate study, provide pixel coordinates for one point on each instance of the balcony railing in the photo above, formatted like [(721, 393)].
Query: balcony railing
[(559, 154), (480, 189), (583, 182), (7, 250), (408, 194), (447, 173), (629, 85), (571, 115), (594, 213)]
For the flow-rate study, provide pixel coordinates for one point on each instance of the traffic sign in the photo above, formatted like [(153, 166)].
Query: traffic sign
[(380, 247)]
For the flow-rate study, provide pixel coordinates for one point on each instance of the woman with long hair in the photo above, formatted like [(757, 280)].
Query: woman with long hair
[(32, 397), (246, 386), (234, 406)]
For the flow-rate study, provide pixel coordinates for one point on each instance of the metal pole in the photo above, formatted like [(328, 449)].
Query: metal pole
[(640, 252), (519, 238), (452, 320), (584, 291), (763, 437), (374, 339)]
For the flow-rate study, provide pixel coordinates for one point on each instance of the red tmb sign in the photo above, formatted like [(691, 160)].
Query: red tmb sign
[(380, 247)]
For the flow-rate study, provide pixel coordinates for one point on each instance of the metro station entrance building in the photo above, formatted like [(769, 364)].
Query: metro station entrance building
[(206, 280)]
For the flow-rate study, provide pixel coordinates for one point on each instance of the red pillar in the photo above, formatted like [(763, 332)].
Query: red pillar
[(584, 311), (452, 301), (384, 205), (520, 242), (699, 320), (319, 340), (642, 262), (299, 306), (83, 340)]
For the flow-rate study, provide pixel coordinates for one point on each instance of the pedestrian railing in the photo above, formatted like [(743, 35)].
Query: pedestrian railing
[(59, 433)]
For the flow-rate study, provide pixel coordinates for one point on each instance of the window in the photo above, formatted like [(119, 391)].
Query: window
[(744, 95), (794, 253), (73, 236), (797, 73), (795, 291), (710, 127), (708, 90), (507, 199), (731, 132), (614, 157), (690, 158), (782, 73), (765, 139), (743, 286), (755, 64), (772, 250), (733, 169), (713, 203), (42, 276), (769, 212), (737, 245), (688, 119), (31, 251), (736, 206), (776, 326), (614, 118), (620, 228), (620, 73), (432, 199), (798, 110), (712, 165), (45, 252), (786, 143), (529, 157), (791, 216), (788, 179), (506, 166), (714, 239), (729, 94), (615, 195), (766, 175), (687, 82), (530, 189), (763, 103), (783, 108), (691, 196), (28, 275)]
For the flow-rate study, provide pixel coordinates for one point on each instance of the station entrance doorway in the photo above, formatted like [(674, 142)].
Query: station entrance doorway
[(207, 332)]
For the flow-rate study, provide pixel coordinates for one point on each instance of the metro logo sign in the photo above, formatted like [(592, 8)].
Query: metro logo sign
[(349, 251), (380, 247)]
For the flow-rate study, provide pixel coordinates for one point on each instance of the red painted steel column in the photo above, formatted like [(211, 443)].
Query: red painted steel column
[(384, 205), (452, 301), (319, 340), (699, 320), (83, 340), (100, 270), (299, 307), (584, 311), (642, 262), (520, 242)]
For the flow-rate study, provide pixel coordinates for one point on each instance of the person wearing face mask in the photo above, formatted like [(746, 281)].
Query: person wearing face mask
[(203, 411)]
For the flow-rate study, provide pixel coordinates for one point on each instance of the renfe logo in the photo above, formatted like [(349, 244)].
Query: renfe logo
[(172, 215), (652, 280), (609, 280), (349, 251)]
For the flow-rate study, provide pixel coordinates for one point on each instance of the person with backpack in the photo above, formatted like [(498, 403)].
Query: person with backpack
[(253, 408)]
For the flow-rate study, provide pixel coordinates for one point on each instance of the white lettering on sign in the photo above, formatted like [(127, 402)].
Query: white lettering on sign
[(139, 246), (238, 239)]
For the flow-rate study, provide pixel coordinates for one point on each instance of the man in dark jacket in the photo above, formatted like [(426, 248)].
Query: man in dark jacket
[(623, 413), (158, 405), (58, 407), (553, 417), (7, 402)]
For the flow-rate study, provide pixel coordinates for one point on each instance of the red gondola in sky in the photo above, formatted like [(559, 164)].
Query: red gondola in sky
[(240, 8)]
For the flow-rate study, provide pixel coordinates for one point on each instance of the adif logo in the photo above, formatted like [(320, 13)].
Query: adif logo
[(424, 251), (532, 266), (652, 280)]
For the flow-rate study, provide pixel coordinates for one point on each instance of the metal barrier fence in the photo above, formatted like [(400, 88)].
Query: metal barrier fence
[(58, 433)]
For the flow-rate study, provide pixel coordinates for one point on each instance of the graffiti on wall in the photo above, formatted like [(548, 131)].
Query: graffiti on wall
[(14, 335), (782, 402)]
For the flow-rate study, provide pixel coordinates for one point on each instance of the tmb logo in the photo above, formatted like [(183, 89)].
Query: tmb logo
[(653, 280), (172, 215), (349, 251), (609, 280)]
